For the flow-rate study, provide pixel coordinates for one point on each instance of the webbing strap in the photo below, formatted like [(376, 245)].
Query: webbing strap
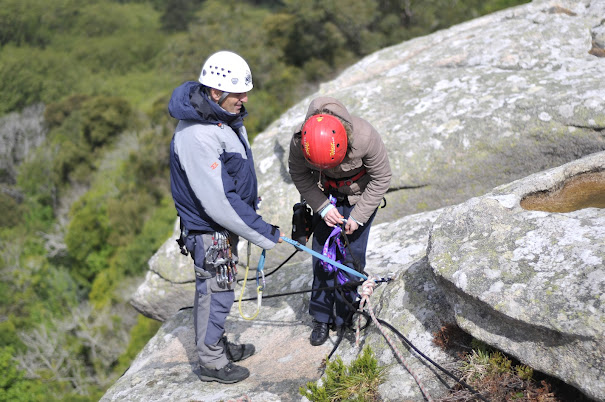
[(347, 181), (324, 258), (332, 244)]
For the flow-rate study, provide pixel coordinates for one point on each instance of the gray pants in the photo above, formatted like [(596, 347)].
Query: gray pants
[(211, 305)]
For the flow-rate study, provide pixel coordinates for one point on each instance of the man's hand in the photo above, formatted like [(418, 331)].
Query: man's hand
[(333, 217), (281, 235), (351, 226)]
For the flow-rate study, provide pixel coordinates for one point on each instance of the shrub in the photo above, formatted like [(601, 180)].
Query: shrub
[(10, 205), (14, 387), (86, 238), (357, 382), (104, 118)]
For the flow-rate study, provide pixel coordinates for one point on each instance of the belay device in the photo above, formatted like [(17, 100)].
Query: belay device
[(301, 222)]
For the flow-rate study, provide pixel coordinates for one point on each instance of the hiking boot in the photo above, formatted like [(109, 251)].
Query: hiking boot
[(320, 333), (229, 374), (235, 352)]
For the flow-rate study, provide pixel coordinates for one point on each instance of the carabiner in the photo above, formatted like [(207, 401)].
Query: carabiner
[(262, 275)]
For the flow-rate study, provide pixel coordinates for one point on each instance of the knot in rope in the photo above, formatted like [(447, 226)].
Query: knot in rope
[(367, 288)]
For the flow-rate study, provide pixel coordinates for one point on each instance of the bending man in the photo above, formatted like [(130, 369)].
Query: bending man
[(340, 166)]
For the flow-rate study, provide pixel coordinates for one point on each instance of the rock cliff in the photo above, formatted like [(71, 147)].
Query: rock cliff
[(476, 118), (19, 135)]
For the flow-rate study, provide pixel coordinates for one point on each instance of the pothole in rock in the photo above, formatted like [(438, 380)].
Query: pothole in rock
[(586, 190)]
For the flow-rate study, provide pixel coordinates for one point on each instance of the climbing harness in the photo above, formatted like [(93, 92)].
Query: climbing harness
[(329, 182), (260, 277)]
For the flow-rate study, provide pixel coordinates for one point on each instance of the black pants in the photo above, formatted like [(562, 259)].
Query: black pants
[(328, 306)]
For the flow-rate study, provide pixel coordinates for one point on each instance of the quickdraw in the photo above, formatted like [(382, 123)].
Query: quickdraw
[(220, 256)]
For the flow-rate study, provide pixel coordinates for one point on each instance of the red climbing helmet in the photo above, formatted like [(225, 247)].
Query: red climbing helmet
[(324, 141)]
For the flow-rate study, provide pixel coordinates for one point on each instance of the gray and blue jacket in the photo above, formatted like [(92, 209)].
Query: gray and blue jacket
[(212, 174)]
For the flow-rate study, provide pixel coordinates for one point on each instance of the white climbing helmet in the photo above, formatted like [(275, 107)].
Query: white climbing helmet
[(226, 71)]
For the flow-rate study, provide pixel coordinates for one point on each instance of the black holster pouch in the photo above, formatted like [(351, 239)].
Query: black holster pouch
[(301, 222), (181, 239)]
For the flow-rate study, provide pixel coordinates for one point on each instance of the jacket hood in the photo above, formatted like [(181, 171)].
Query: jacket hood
[(188, 102), (180, 103), (331, 104)]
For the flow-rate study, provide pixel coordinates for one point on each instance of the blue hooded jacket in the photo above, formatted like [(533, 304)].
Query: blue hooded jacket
[(212, 174)]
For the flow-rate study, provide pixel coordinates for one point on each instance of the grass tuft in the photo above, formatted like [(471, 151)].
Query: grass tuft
[(357, 382), (496, 376)]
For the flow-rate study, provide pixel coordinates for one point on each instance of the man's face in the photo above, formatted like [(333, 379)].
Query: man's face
[(234, 101)]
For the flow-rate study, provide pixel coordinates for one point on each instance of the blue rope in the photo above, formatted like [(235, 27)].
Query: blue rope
[(324, 258)]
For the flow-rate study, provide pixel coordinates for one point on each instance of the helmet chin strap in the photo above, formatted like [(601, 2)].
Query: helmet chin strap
[(222, 98)]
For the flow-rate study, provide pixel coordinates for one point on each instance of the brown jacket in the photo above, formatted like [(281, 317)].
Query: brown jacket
[(366, 149)]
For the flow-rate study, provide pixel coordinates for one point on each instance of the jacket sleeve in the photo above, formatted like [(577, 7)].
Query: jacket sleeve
[(303, 178), (200, 157), (376, 162)]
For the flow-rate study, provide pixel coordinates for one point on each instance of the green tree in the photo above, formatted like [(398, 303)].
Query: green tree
[(14, 387), (83, 127), (177, 14), (308, 31), (104, 118), (9, 204), (35, 179), (86, 237)]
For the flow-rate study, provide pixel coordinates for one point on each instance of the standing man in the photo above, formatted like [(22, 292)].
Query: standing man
[(340, 166), (214, 187)]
